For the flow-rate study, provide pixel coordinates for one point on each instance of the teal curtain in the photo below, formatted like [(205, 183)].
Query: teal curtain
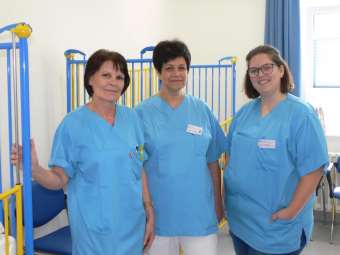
[(282, 30)]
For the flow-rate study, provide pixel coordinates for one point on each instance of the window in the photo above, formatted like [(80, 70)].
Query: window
[(320, 41), (326, 46)]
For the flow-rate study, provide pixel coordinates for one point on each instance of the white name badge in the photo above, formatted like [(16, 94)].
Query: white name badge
[(195, 130), (266, 144)]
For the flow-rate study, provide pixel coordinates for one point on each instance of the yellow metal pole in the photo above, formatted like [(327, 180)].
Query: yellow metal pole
[(20, 250), (138, 88), (5, 201), (78, 86), (225, 124), (153, 82), (145, 81), (128, 92), (7, 193), (72, 83), (128, 103), (181, 251), (16, 190)]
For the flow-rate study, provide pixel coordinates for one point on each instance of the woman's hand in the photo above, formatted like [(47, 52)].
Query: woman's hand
[(17, 157), (149, 235), (283, 214), (54, 179), (215, 172), (306, 187), (150, 218)]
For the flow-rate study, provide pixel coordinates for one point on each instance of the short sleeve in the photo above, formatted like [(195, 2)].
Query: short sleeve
[(309, 145), (218, 140), (61, 151), (140, 136), (229, 136)]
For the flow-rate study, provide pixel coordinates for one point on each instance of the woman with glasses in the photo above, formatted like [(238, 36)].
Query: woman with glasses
[(276, 154)]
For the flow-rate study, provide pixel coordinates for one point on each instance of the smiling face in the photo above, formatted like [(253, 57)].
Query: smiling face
[(174, 75), (267, 82), (107, 83)]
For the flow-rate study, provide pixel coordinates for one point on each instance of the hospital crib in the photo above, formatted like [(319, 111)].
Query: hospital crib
[(213, 83), (15, 129)]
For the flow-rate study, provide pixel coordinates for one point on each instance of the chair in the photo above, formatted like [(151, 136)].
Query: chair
[(46, 205), (334, 195), (321, 186)]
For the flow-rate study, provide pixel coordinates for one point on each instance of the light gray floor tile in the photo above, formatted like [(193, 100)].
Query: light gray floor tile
[(319, 246)]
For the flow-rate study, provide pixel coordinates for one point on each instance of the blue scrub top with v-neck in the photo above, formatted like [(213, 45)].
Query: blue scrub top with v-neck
[(180, 143), (267, 158), (104, 191)]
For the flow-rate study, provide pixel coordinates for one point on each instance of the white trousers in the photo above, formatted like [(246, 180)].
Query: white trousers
[(191, 245)]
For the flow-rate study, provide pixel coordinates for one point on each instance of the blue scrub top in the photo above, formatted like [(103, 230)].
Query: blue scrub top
[(268, 157), (104, 167), (180, 143)]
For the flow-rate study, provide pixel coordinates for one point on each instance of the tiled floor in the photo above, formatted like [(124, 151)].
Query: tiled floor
[(319, 246)]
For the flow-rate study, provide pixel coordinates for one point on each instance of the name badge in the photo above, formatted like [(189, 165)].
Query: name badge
[(195, 130), (266, 144)]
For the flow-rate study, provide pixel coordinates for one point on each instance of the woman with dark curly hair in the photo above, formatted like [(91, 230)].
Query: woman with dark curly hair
[(183, 140)]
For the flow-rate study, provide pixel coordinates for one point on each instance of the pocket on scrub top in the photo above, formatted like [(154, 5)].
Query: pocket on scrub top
[(285, 222), (201, 143), (167, 160), (244, 176), (91, 208), (136, 165), (287, 230), (242, 153), (270, 158)]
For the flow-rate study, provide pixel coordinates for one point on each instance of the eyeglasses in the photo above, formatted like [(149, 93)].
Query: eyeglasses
[(265, 69)]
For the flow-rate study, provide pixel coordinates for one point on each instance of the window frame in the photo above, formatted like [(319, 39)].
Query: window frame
[(311, 38), (323, 97)]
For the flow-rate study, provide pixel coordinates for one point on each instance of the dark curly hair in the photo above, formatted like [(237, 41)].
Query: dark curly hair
[(169, 50)]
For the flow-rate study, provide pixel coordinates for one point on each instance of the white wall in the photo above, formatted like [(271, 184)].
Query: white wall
[(212, 29)]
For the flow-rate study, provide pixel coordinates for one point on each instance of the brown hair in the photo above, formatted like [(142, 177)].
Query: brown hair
[(287, 83), (95, 62)]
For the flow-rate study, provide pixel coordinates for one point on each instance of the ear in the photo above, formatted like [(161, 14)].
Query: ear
[(159, 75), (282, 71), (90, 80)]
